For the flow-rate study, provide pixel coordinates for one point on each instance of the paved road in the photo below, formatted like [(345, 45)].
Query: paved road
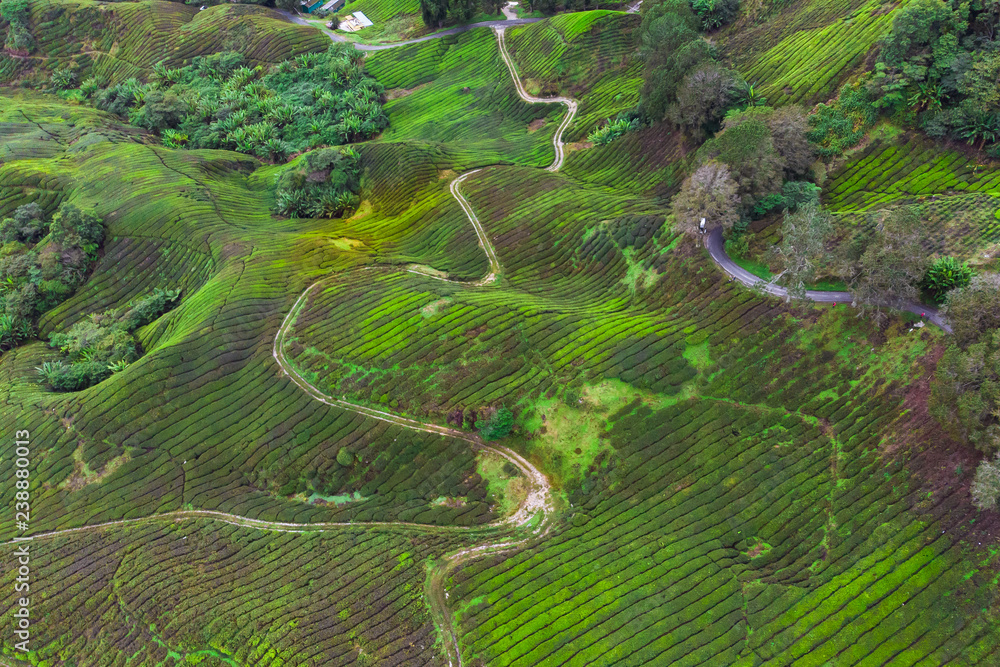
[(716, 248)]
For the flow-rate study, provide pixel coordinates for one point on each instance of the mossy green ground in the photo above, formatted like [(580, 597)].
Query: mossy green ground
[(745, 482)]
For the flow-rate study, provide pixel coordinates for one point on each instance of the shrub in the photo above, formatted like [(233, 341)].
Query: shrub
[(944, 275), (715, 13), (62, 79), (613, 129), (103, 344), (496, 427), (322, 183), (842, 125)]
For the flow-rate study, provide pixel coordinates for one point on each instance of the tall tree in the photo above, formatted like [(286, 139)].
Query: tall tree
[(708, 193), (892, 263), (804, 234)]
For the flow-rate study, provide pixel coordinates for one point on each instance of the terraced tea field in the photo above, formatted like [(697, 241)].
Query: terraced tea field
[(292, 473), (113, 42)]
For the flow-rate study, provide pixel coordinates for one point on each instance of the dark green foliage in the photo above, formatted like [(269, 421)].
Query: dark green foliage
[(703, 97), (715, 13), (975, 309), (19, 37), (42, 264), (842, 125), (945, 274), (74, 227), (437, 13), (793, 194), (218, 102), (497, 426), (27, 225), (671, 48), (892, 261), (95, 348), (321, 184), (965, 393)]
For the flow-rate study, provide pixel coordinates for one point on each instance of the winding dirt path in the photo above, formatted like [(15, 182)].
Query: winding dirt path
[(538, 502), (532, 518)]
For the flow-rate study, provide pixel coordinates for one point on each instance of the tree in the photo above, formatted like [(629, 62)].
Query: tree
[(891, 264), (73, 226), (804, 234), (703, 97), (986, 485), (974, 309), (924, 37), (708, 193), (496, 427), (788, 127), (746, 147), (965, 393), (26, 226), (671, 48)]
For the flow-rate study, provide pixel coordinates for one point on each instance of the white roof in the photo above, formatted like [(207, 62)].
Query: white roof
[(362, 19)]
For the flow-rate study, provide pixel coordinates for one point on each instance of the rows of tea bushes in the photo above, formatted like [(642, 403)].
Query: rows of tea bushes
[(208, 593), (51, 127), (810, 64), (457, 90), (958, 197), (647, 161), (737, 526), (203, 419), (905, 169), (121, 40), (590, 56)]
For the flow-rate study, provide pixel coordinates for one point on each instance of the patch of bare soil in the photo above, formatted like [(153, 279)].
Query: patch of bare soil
[(943, 467), (396, 93), (536, 124)]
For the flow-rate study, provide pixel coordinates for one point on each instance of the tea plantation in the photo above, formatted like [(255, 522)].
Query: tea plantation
[(502, 409)]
